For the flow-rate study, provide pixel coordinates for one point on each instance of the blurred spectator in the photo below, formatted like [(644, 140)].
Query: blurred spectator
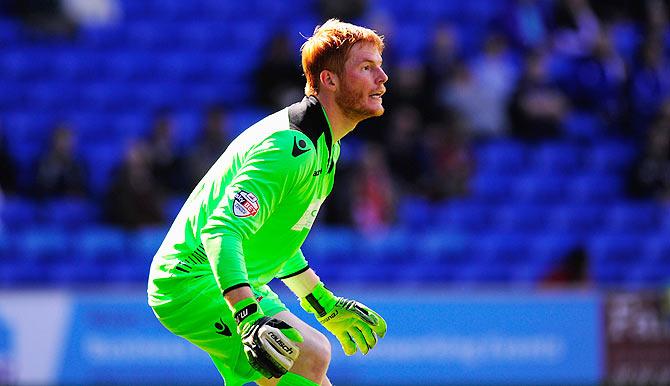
[(404, 147), (279, 78), (44, 17), (345, 10), (134, 199), (526, 23), (373, 195), (600, 81), (577, 27), (572, 269), (92, 12), (537, 107), (8, 169), (650, 84), (461, 94), (410, 86), (450, 161), (59, 171), (650, 177), (213, 140), (443, 58), (163, 155), (494, 73)]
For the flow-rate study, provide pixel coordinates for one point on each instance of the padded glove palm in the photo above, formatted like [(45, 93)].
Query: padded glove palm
[(269, 344)]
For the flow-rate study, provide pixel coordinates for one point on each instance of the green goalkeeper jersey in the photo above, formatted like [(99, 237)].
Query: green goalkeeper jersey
[(247, 218)]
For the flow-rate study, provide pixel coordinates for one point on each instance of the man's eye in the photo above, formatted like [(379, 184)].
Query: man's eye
[(367, 67)]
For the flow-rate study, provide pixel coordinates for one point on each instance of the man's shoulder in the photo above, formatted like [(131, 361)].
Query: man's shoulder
[(275, 135)]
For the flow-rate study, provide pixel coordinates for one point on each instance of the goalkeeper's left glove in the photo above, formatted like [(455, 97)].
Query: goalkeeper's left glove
[(352, 323), (269, 344)]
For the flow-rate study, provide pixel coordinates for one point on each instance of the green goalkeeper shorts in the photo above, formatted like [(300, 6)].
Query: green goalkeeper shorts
[(198, 313)]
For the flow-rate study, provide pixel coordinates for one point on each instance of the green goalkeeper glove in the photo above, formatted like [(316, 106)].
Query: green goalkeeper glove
[(269, 344), (352, 323)]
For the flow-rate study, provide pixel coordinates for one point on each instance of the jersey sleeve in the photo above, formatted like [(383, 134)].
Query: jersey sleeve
[(293, 266), (266, 174)]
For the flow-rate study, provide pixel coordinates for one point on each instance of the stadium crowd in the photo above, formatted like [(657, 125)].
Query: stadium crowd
[(574, 71)]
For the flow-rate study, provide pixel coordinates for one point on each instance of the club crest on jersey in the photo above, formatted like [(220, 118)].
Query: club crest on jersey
[(246, 204)]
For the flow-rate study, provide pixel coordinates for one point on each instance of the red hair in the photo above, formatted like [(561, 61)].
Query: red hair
[(328, 48)]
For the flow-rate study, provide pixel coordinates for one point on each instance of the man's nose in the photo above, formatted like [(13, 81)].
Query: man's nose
[(383, 77)]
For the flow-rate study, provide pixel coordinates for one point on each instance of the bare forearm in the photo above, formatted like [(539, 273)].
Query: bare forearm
[(235, 295), (303, 283)]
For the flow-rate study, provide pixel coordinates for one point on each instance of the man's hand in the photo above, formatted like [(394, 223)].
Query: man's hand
[(353, 324), (269, 344)]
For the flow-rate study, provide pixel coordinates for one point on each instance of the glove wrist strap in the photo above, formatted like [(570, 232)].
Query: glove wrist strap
[(320, 302), (244, 308)]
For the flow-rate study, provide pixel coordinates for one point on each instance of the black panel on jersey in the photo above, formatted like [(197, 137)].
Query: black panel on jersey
[(307, 117)]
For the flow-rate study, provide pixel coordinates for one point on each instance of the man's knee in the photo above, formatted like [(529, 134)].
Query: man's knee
[(316, 350)]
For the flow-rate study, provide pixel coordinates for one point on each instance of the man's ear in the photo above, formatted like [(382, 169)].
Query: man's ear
[(328, 80)]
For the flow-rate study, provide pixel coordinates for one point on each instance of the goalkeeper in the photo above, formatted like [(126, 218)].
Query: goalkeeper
[(245, 221)]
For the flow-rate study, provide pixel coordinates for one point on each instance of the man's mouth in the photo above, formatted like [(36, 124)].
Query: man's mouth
[(377, 95)]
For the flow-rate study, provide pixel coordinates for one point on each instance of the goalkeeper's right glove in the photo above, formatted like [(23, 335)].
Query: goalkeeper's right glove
[(353, 323), (269, 344)]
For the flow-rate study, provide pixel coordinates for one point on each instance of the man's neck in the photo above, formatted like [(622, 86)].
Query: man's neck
[(340, 124)]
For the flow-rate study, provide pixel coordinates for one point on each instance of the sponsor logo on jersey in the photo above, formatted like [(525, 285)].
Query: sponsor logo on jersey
[(299, 147), (245, 204), (308, 218)]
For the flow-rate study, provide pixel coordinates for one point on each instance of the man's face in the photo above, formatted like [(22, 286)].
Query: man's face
[(362, 83)]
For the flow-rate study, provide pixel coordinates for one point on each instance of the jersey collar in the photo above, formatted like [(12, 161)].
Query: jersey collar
[(309, 117)]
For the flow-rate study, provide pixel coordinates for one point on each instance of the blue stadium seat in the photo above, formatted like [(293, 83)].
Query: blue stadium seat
[(553, 158), (616, 248), (595, 188), (633, 217), (540, 189), (22, 273), (143, 243), (494, 248), (609, 275), (415, 213), (71, 213), (657, 248), (626, 38), (414, 41), (438, 10), (127, 272), (463, 215), (17, 213), (492, 187), (486, 273), (482, 11), (101, 160), (172, 206), (332, 244), (439, 246), (583, 125), (391, 245), (7, 252), (611, 156), (10, 31), (44, 244), (647, 275), (577, 219), (102, 244), (551, 247), (243, 118), (522, 217), (502, 156), (74, 275)]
